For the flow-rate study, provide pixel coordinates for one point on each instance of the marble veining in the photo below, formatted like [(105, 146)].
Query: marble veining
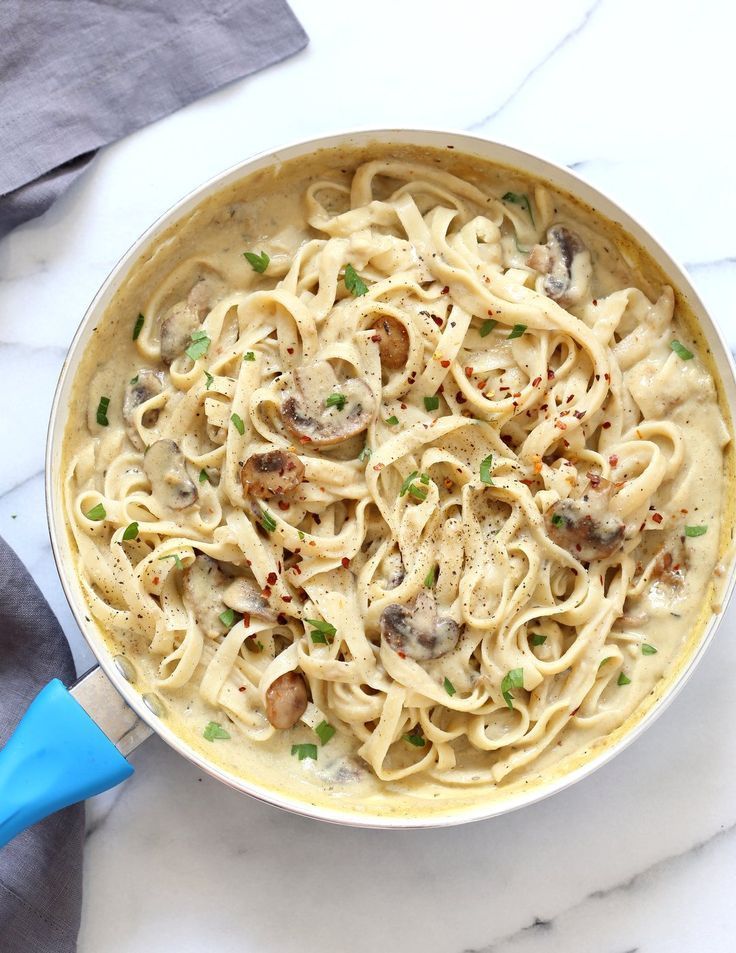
[(638, 857)]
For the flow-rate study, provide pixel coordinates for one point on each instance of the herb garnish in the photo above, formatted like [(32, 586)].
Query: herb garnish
[(258, 263), (249, 356), (415, 740), (537, 639), (97, 513), (512, 679), (681, 351), (336, 400), (516, 331), (131, 531), (487, 327), (177, 560), (138, 326), (520, 199), (238, 423), (203, 478), (323, 632), (324, 731), (102, 411), (267, 521), (199, 346), (365, 454), (431, 578), (305, 751), (134, 380), (408, 486), (431, 403), (209, 379), (623, 679), (557, 519), (485, 470), (647, 649), (229, 617), (449, 687), (392, 420), (354, 283), (215, 732), (696, 531)]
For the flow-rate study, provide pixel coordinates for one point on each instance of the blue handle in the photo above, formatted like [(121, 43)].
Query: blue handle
[(56, 756)]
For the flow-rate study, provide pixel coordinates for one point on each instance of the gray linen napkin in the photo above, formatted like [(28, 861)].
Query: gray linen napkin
[(41, 870), (77, 75)]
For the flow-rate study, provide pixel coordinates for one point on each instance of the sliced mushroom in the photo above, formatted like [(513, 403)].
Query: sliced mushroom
[(271, 474), (145, 385), (203, 583), (418, 631), (166, 468), (176, 331), (315, 410), (584, 528), (243, 596), (393, 343), (203, 295), (565, 261), (286, 700)]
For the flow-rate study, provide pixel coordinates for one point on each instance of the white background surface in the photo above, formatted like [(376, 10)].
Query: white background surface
[(637, 96)]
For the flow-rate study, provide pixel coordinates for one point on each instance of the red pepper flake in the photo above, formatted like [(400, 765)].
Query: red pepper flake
[(437, 320), (376, 338), (482, 384), (401, 655), (579, 414), (527, 482), (536, 382), (403, 406), (290, 350), (657, 517), (379, 466), (606, 424), (286, 598), (490, 313), (156, 580), (544, 406), (560, 425), (571, 397), (266, 592), (281, 619), (283, 505), (345, 562), (468, 371), (595, 479), (550, 374), (606, 377), (613, 460), (461, 398), (272, 579), (444, 363), (305, 440), (296, 569), (242, 688), (504, 388), (446, 290)]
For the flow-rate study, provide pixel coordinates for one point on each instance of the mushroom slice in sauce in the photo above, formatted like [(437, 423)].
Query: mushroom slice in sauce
[(203, 583), (243, 596), (286, 700), (393, 343), (176, 330), (584, 527), (565, 262), (419, 632), (271, 474), (145, 385), (203, 295), (166, 468), (308, 414)]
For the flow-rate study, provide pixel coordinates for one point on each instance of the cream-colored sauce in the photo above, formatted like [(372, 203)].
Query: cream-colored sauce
[(665, 410)]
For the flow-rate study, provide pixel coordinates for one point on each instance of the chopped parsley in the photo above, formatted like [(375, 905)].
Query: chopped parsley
[(520, 199), (487, 327), (431, 403), (431, 578), (322, 632), (138, 326), (336, 400), (229, 617), (102, 411), (97, 513), (365, 454), (300, 534), (324, 731), (258, 263), (305, 751), (215, 732), (647, 649), (354, 283), (238, 423), (409, 486), (557, 519), (603, 661), (511, 680), (623, 679), (209, 379), (449, 687), (131, 531), (537, 639), (203, 478), (485, 470), (177, 560), (516, 331), (392, 420), (267, 521), (696, 531), (134, 380), (681, 351), (249, 356), (199, 346), (415, 740)]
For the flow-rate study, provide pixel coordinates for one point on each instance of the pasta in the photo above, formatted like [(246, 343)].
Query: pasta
[(424, 489)]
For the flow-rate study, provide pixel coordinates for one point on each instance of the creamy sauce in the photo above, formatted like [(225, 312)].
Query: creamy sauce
[(577, 551)]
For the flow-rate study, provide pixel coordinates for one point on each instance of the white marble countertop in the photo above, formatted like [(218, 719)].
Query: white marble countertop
[(634, 94)]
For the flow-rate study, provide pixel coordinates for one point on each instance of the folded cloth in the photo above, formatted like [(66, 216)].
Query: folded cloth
[(41, 870), (78, 75)]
